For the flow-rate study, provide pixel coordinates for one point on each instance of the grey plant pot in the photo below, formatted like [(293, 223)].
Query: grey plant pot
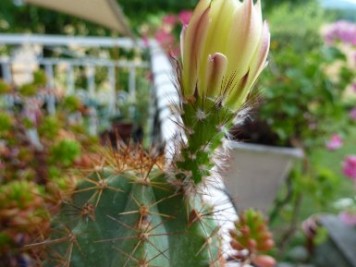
[(256, 173), (340, 246)]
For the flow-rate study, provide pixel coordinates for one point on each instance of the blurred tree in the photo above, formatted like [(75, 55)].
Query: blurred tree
[(297, 26), (134, 7), (270, 4), (17, 17)]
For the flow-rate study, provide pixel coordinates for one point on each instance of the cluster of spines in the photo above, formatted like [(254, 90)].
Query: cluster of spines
[(129, 213), (205, 128)]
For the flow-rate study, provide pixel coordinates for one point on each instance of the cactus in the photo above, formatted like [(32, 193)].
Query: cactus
[(6, 122), (251, 239), (134, 208), (34, 180), (129, 214), (22, 218), (4, 87)]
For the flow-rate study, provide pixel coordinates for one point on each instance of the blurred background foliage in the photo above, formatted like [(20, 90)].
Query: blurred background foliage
[(297, 25), (302, 103), (18, 17)]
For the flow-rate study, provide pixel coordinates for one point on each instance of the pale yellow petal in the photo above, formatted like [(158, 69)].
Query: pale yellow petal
[(181, 39), (259, 61), (216, 70), (221, 16), (243, 38), (257, 64), (194, 40)]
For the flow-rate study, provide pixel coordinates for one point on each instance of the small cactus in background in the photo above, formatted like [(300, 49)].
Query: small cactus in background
[(37, 154), (135, 209), (23, 218), (6, 122), (39, 78), (251, 239), (5, 88), (32, 88), (28, 90)]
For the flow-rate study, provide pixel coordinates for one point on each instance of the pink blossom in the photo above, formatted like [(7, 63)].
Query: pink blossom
[(145, 40), (352, 114), (166, 40), (184, 16), (169, 19), (354, 87), (341, 31), (349, 167), (348, 218), (164, 37), (335, 142)]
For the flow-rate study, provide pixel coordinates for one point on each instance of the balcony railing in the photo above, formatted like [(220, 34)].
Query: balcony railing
[(163, 92)]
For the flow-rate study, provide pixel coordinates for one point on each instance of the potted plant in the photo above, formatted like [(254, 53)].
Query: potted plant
[(338, 232), (130, 120), (136, 208), (301, 105), (128, 123)]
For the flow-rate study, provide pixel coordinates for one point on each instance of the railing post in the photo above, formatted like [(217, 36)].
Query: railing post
[(70, 79), (51, 99), (7, 76), (91, 80), (6, 71), (112, 82), (132, 88), (132, 81), (93, 121)]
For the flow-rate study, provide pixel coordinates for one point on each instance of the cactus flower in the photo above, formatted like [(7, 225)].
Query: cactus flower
[(224, 49)]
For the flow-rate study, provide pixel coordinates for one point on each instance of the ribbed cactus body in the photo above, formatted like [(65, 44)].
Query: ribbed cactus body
[(126, 220)]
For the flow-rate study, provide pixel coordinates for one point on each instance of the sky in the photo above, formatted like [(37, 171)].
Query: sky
[(339, 3)]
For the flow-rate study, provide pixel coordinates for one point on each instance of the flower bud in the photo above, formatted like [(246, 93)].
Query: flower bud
[(224, 49)]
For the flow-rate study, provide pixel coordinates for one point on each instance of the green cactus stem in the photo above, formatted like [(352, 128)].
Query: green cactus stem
[(205, 126), (125, 216)]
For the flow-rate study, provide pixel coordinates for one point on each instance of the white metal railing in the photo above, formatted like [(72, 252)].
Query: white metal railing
[(164, 93), (89, 63), (74, 41)]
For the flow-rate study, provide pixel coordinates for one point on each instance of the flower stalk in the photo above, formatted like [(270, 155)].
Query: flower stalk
[(224, 49)]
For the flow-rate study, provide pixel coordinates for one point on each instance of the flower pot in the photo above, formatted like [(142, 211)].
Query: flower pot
[(339, 247), (256, 172)]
